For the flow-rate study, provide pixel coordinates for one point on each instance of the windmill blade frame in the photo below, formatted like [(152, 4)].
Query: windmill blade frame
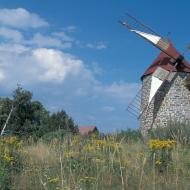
[(160, 43), (157, 41)]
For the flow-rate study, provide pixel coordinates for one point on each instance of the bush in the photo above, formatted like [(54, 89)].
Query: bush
[(129, 135), (10, 160), (60, 135), (174, 131)]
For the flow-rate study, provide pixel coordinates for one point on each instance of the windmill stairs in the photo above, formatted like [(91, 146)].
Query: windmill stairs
[(134, 107)]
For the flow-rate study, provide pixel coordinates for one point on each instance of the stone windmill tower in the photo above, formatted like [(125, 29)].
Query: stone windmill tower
[(165, 92), (167, 99)]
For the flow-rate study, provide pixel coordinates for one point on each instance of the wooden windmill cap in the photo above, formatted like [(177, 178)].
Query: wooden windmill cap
[(164, 61)]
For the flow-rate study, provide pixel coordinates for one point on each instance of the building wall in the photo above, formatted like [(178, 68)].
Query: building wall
[(171, 103)]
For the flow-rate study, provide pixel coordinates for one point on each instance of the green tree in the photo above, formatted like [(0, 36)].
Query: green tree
[(30, 118), (60, 120)]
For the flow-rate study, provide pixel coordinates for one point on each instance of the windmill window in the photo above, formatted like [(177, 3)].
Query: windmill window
[(187, 82)]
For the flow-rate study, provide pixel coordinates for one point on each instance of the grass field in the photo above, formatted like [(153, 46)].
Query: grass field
[(94, 163)]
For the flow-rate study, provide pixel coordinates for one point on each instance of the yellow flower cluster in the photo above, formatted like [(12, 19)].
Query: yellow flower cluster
[(70, 154), (89, 148), (7, 146), (161, 144), (53, 180), (98, 161), (158, 162), (114, 145), (6, 155), (100, 143), (11, 141), (88, 179)]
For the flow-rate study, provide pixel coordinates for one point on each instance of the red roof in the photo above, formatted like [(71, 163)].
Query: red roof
[(84, 130), (163, 60)]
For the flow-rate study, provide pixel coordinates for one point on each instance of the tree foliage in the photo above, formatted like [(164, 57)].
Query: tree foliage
[(31, 118)]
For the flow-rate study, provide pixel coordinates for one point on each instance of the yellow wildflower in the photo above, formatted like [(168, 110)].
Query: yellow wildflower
[(89, 148), (100, 142), (53, 180), (160, 144), (70, 154), (158, 162)]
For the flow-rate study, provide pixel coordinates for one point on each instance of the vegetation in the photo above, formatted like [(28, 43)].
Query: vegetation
[(95, 162), (174, 131), (55, 157), (30, 118)]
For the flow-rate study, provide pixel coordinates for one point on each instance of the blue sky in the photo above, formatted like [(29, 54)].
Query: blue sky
[(73, 54)]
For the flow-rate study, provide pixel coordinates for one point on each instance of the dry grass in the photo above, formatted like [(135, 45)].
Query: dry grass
[(87, 164)]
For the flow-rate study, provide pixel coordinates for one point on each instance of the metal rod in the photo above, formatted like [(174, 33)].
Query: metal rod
[(142, 24), (124, 23)]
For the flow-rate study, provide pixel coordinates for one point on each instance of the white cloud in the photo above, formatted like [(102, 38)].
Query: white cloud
[(21, 18), (11, 34), (63, 36), (71, 28), (57, 65), (108, 108), (122, 91), (97, 69), (47, 41), (12, 48), (101, 46), (2, 75), (81, 92), (34, 60), (23, 64), (98, 46)]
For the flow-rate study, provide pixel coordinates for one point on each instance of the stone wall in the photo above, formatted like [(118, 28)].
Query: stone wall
[(171, 103)]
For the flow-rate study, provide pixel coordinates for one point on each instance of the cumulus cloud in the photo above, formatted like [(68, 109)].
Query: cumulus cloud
[(119, 90), (27, 65), (2, 75), (11, 34), (22, 64), (57, 65), (63, 36), (37, 59), (71, 28), (21, 18), (12, 48), (98, 46), (108, 108), (97, 69), (40, 40)]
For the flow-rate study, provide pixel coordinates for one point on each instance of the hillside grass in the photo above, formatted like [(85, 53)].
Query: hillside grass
[(111, 162)]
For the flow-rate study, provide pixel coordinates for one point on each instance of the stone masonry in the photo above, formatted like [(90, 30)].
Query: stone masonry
[(171, 102)]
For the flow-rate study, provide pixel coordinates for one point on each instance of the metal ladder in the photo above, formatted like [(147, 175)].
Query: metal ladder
[(134, 107)]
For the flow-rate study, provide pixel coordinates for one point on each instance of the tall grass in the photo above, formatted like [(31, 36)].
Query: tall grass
[(94, 163)]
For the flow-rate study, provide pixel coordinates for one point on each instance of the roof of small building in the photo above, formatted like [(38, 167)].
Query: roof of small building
[(84, 130), (164, 61)]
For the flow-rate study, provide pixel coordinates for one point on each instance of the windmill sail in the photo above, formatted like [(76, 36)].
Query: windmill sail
[(157, 41), (160, 75)]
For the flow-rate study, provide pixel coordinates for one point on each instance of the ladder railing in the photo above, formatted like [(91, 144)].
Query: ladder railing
[(134, 107)]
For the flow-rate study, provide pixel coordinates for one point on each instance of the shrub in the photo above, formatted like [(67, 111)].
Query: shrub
[(161, 155), (10, 160), (174, 131), (60, 135), (130, 135)]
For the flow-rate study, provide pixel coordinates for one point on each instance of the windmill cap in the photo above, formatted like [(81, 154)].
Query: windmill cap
[(164, 61)]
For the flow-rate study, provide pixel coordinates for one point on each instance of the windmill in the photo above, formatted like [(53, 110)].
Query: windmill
[(159, 100)]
